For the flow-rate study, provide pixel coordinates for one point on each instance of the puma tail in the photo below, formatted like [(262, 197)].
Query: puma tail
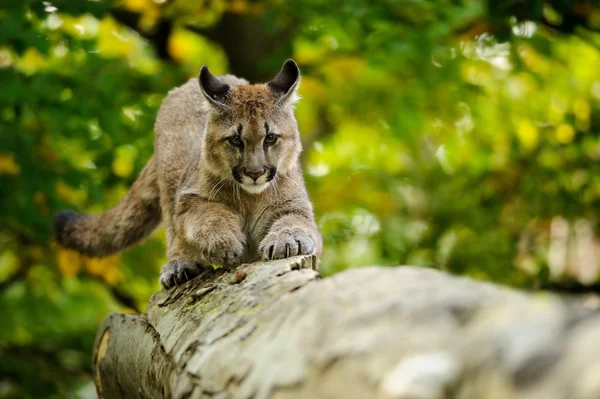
[(133, 218)]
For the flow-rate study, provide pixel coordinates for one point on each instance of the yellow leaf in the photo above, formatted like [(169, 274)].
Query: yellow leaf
[(192, 50), (113, 276), (124, 161), (69, 193), (32, 61), (581, 109), (8, 166), (9, 264), (534, 60), (69, 262), (557, 110), (138, 5), (344, 69), (239, 7), (565, 133), (528, 134), (147, 8), (181, 45), (314, 89), (149, 18), (97, 266), (308, 51), (116, 42), (106, 267), (84, 26)]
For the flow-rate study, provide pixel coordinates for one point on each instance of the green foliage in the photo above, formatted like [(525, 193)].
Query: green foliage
[(462, 135)]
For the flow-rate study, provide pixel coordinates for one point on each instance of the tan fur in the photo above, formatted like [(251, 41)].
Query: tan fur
[(210, 217)]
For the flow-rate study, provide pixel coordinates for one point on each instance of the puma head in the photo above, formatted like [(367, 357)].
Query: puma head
[(251, 135)]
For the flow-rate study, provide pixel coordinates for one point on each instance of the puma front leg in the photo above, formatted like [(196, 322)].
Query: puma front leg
[(211, 232)]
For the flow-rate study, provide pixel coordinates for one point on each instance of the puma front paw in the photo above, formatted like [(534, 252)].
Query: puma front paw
[(178, 271), (224, 248), (286, 243)]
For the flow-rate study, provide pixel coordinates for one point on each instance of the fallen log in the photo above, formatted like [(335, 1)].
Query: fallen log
[(275, 329)]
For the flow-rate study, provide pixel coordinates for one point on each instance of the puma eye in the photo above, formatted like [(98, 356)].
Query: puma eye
[(235, 141), (271, 139)]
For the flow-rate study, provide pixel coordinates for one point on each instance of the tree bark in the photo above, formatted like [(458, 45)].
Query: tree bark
[(275, 329)]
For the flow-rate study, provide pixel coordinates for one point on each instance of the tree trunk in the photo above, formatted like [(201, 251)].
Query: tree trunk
[(275, 329)]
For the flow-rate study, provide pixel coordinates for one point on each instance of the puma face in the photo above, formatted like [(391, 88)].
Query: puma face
[(252, 134), (256, 152)]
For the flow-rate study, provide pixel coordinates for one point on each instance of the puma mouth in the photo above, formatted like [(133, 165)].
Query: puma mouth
[(254, 188)]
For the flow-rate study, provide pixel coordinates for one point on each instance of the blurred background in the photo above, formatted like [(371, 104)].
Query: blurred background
[(460, 135)]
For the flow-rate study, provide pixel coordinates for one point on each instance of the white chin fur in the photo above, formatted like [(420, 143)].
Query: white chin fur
[(254, 188)]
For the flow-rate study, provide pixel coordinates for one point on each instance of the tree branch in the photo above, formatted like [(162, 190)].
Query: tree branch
[(371, 332)]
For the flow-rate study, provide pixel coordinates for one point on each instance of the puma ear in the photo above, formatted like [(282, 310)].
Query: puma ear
[(285, 84), (213, 89)]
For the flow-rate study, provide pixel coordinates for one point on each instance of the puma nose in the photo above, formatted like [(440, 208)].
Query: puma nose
[(254, 174)]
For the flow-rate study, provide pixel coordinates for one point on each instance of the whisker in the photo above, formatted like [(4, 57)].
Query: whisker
[(236, 191), (221, 183), (298, 185), (276, 188)]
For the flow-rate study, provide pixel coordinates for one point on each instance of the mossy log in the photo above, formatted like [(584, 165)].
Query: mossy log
[(275, 329)]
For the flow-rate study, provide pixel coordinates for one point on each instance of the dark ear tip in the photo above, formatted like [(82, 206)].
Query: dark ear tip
[(291, 66), (286, 79), (204, 72), (215, 90)]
